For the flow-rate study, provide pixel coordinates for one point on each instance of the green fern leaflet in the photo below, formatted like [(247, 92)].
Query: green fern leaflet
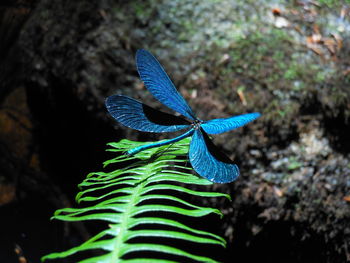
[(124, 198)]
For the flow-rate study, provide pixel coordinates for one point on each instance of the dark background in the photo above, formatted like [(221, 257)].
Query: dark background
[(289, 60)]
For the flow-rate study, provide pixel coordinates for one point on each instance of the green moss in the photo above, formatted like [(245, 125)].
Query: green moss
[(294, 164), (320, 76), (333, 3)]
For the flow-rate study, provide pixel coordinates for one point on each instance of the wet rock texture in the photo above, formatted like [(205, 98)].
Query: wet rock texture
[(287, 60)]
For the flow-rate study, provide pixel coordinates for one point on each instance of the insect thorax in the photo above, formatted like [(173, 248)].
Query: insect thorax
[(196, 124)]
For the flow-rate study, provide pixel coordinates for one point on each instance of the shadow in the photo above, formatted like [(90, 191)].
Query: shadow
[(162, 118), (214, 150)]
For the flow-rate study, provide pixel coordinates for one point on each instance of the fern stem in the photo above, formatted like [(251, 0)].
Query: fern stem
[(125, 223)]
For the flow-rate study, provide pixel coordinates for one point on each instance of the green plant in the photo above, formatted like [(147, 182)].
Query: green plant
[(155, 182)]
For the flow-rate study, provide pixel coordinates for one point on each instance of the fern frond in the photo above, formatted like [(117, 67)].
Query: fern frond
[(154, 183)]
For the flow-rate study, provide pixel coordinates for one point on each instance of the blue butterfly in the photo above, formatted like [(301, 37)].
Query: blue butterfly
[(205, 158)]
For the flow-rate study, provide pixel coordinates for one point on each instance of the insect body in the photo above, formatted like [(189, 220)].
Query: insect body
[(205, 158)]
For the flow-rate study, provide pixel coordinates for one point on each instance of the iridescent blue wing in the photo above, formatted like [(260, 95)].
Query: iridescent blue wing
[(223, 125), (160, 85), (209, 162), (136, 115)]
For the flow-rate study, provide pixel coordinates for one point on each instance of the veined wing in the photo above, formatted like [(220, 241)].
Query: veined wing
[(209, 162), (136, 115), (160, 85), (223, 125)]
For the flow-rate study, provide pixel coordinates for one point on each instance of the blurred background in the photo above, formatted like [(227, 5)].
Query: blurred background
[(289, 60)]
